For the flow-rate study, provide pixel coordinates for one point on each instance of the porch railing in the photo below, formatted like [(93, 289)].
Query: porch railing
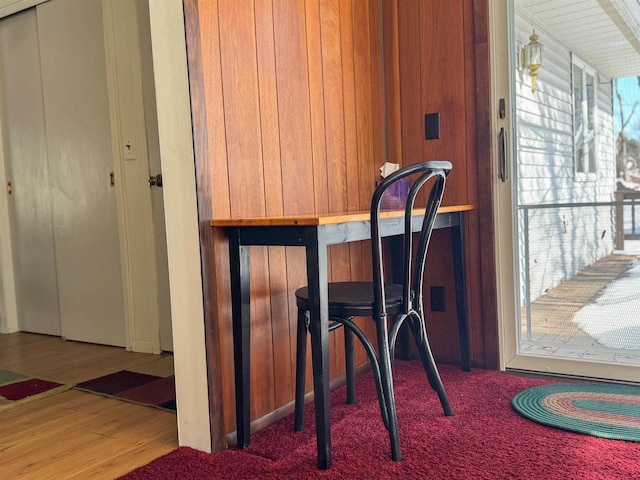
[(630, 198), (625, 198)]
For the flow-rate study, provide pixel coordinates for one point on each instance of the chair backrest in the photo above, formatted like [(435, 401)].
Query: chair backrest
[(413, 269)]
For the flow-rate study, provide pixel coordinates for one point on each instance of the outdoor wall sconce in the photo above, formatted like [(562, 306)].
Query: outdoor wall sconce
[(531, 58)]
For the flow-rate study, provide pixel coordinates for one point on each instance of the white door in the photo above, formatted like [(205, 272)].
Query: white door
[(30, 200), (157, 193), (74, 82)]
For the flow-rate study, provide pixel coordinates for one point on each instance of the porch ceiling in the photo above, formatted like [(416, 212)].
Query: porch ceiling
[(604, 33)]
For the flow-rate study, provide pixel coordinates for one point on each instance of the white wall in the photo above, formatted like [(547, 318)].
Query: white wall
[(561, 241)]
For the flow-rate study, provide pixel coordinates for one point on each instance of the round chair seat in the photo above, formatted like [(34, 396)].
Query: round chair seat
[(354, 298)]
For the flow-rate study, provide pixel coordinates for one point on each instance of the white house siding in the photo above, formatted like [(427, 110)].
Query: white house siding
[(561, 241)]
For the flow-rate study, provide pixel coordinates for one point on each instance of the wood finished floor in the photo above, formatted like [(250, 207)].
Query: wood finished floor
[(77, 435)]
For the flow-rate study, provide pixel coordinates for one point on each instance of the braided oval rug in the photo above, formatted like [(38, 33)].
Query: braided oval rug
[(598, 409)]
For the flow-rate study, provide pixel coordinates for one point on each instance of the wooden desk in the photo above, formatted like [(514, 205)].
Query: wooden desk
[(315, 232)]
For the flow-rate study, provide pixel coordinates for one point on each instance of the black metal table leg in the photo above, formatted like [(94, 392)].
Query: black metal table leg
[(460, 280), (319, 330), (241, 310)]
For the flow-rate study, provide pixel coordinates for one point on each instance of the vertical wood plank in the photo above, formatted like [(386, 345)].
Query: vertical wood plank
[(349, 30), (352, 156), (316, 102), (368, 162), (410, 77), (473, 288), (368, 169), (377, 84), (334, 115), (270, 136), (246, 180), (293, 105), (487, 353), (215, 121), (241, 107), (393, 133), (194, 18), (443, 89)]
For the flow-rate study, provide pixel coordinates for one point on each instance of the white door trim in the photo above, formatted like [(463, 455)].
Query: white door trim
[(181, 214), (499, 11), (135, 217), (8, 322)]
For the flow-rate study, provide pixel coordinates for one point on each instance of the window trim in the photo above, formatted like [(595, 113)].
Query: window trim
[(587, 70)]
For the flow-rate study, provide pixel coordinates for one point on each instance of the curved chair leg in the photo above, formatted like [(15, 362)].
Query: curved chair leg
[(375, 364), (387, 387), (422, 342), (301, 369), (350, 369)]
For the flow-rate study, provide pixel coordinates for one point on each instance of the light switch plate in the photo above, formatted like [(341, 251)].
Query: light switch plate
[(431, 126)]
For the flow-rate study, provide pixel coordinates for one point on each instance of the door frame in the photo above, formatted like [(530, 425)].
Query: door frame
[(8, 322), (181, 215), (500, 36)]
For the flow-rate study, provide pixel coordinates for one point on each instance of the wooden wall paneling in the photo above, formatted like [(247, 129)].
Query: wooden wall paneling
[(409, 43), (377, 85), (290, 97), (441, 46), (330, 36), (469, 105), (485, 172), (391, 50), (318, 145), (316, 101), (267, 83), (472, 231), (293, 106), (246, 178), (348, 30), (241, 107), (363, 73), (302, 134), (363, 37), (442, 327), (349, 23), (331, 42), (200, 26), (443, 89), (217, 168)]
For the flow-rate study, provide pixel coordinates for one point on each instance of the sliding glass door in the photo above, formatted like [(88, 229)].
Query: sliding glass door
[(569, 280)]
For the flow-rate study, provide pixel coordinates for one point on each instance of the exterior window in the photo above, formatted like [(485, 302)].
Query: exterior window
[(584, 120)]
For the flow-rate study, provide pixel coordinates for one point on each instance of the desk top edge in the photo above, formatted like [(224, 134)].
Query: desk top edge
[(314, 219)]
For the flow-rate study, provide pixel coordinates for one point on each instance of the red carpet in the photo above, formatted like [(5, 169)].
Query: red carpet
[(486, 439)]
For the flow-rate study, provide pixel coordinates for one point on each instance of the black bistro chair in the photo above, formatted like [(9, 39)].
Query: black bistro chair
[(402, 302)]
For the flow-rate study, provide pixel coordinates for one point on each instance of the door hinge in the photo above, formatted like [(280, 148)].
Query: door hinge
[(9, 188)]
